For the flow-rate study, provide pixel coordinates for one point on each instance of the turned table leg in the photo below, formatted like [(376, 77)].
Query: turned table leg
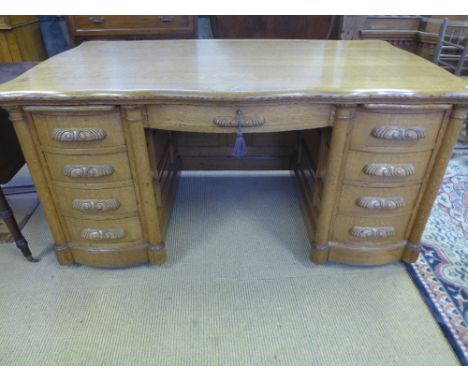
[(7, 215)]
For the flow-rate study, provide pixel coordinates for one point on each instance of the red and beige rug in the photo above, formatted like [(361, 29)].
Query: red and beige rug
[(441, 272)]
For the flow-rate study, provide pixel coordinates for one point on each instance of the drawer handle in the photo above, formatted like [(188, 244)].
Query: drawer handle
[(78, 135), (95, 171), (102, 234), (372, 232), (95, 205), (239, 121), (374, 203), (97, 20), (167, 19), (388, 170), (399, 133)]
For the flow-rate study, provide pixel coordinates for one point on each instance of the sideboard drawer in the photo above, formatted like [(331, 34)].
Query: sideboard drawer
[(386, 167), (387, 126), (78, 127), (130, 22), (254, 118), (382, 201), (111, 231), (89, 168), (370, 230), (99, 204)]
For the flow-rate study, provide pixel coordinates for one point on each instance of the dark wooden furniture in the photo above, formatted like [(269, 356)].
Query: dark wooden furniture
[(291, 27), (82, 28), (20, 39), (11, 159)]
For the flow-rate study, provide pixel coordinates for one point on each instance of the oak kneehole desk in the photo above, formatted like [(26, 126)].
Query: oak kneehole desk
[(367, 130)]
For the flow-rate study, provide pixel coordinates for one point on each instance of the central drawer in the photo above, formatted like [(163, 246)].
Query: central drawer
[(253, 118)]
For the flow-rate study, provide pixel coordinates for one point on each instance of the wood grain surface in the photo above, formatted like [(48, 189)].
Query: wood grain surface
[(234, 69)]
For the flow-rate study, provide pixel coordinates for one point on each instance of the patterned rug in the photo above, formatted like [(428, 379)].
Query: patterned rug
[(441, 272)]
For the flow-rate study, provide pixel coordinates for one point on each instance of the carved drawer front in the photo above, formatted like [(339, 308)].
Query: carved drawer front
[(385, 167), (252, 118), (89, 168), (370, 230), (97, 204), (78, 127), (382, 201), (388, 126), (110, 231)]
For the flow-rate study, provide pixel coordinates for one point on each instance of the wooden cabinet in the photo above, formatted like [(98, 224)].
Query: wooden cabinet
[(248, 26), (20, 39), (83, 28)]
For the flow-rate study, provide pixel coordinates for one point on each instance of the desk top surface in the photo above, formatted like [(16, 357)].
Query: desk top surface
[(338, 71)]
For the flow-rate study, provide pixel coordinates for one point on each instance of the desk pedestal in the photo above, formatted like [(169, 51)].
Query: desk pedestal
[(367, 175)]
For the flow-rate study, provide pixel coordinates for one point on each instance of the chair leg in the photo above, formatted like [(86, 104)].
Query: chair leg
[(7, 215)]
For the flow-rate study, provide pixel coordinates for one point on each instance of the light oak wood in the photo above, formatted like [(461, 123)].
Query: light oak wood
[(142, 173), (248, 70), (20, 39), (92, 232), (86, 204), (389, 168), (366, 129), (54, 123), (373, 231), (404, 129), (88, 168), (377, 201), (376, 256), (221, 119), (338, 147)]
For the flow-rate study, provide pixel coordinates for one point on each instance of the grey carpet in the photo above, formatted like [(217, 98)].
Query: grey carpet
[(237, 289)]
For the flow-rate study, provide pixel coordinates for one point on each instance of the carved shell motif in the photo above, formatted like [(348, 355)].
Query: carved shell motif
[(239, 121), (78, 135), (95, 205), (399, 133), (372, 232), (382, 169), (371, 202), (102, 234), (94, 171)]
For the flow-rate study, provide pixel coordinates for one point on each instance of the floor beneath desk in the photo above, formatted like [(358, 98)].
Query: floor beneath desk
[(237, 289)]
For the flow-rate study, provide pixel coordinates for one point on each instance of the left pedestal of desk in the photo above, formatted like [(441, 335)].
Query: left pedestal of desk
[(92, 173)]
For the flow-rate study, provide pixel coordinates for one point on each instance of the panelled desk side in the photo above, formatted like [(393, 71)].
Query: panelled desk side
[(367, 165)]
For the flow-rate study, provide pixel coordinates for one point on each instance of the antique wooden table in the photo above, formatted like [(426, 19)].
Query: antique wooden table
[(366, 128)]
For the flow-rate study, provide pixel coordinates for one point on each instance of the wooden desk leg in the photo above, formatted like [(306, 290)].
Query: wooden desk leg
[(340, 132), (7, 215), (140, 166), (456, 123), (27, 139)]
